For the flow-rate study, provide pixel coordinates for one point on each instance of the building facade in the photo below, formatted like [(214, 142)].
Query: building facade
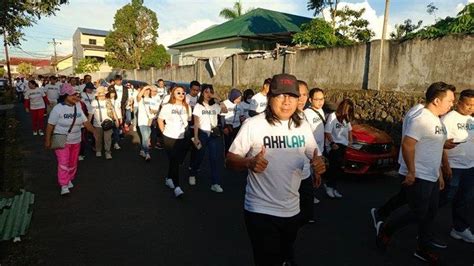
[(89, 43)]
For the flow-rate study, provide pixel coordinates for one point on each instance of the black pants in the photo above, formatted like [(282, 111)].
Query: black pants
[(229, 138), (396, 201), (423, 200), (272, 237), (306, 200), (336, 161), (176, 150)]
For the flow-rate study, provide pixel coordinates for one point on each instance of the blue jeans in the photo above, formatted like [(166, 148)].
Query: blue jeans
[(460, 191), (128, 116), (145, 132), (211, 144), (115, 135)]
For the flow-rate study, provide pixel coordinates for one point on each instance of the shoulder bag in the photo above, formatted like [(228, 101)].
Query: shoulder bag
[(215, 130), (106, 124), (58, 141)]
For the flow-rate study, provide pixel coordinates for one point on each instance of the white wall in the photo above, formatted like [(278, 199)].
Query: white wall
[(188, 56)]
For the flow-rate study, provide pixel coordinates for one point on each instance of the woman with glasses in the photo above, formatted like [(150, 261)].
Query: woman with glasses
[(207, 134), (173, 122), (67, 118)]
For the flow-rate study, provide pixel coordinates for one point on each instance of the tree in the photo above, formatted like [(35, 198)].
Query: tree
[(402, 30), (156, 57), (431, 9), (317, 33), (319, 5), (234, 12), (2, 72), (17, 15), (134, 32), (25, 68), (352, 26), (87, 65)]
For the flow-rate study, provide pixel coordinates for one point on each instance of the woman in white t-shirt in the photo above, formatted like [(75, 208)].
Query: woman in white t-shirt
[(207, 134), (67, 118), (173, 122), (35, 103), (232, 118), (144, 119), (115, 105), (103, 113), (273, 147), (338, 133)]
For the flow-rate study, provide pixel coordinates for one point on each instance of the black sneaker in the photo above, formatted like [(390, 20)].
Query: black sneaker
[(437, 243), (382, 240), (427, 256)]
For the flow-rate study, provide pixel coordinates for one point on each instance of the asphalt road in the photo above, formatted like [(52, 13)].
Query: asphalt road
[(121, 213)]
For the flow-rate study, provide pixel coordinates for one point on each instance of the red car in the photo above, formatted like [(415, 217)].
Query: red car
[(372, 151)]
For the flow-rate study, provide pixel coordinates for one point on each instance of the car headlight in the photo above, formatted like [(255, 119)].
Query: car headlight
[(357, 145)]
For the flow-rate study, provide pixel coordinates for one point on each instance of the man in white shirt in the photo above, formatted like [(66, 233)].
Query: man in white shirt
[(52, 92), (422, 150), (459, 166), (122, 94), (258, 103)]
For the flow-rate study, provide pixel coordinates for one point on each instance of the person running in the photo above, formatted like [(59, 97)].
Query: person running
[(273, 147), (338, 133), (459, 166), (104, 117), (207, 134), (245, 103), (258, 104), (422, 150), (115, 106), (67, 118), (173, 122), (232, 117), (35, 103), (144, 120), (52, 91)]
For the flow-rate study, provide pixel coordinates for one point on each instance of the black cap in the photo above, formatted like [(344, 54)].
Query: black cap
[(284, 84), (89, 85)]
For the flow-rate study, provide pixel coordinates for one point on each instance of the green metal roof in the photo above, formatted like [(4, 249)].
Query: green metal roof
[(256, 23)]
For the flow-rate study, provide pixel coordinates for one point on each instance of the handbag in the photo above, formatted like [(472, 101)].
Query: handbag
[(106, 124), (187, 132), (215, 130), (58, 141)]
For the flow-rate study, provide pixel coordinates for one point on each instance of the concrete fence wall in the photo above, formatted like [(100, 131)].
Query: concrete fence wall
[(407, 66)]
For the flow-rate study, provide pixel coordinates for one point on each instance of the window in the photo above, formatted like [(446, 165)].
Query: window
[(92, 41)]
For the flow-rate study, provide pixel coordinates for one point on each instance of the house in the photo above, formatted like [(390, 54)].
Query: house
[(35, 62), (89, 43), (64, 65), (259, 29)]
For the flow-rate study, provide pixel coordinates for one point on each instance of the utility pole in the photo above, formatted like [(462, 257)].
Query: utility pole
[(55, 61), (7, 58), (384, 29)]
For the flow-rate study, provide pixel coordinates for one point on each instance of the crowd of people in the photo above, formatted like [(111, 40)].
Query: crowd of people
[(282, 135)]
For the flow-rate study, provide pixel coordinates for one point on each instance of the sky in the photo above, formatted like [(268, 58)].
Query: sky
[(179, 19)]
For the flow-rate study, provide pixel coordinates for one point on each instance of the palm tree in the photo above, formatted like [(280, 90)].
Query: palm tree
[(231, 13)]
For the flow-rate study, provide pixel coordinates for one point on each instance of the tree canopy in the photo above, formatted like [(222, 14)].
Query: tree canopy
[(234, 12), (87, 65), (17, 15), (25, 68)]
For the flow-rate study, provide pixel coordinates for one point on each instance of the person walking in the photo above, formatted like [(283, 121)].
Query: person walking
[(173, 122), (52, 91), (273, 147), (232, 117), (115, 106), (245, 103), (258, 103), (66, 119), (144, 120), (35, 103)]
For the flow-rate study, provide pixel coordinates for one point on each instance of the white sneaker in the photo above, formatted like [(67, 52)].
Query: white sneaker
[(108, 156), (337, 194), (70, 185), (65, 190), (178, 192), (142, 154), (330, 192), (40, 132), (98, 154), (147, 157), (169, 183), (35, 133), (465, 235), (192, 180), (81, 157), (316, 200), (116, 146), (217, 188)]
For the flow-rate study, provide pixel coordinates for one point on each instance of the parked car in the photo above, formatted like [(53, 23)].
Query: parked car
[(372, 151), (135, 83), (170, 84)]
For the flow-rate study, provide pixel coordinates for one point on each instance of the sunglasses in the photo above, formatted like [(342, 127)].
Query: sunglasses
[(180, 93)]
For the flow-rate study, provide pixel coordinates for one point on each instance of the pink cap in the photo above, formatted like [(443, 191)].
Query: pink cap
[(66, 88)]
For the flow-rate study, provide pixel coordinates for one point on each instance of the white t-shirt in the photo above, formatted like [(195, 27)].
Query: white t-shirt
[(166, 99), (232, 117), (97, 112), (117, 107), (120, 91), (317, 125), (52, 91), (338, 131), (88, 98), (191, 100), (460, 128), (275, 190), (258, 103), (162, 92), (36, 98), (406, 121), (176, 118), (430, 134), (207, 115), (144, 111), (155, 103), (62, 116)]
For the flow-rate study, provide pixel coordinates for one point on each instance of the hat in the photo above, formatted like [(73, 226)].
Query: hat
[(284, 84), (234, 94), (89, 85), (101, 90), (67, 89)]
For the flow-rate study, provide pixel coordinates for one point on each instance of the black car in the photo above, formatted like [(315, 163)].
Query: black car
[(135, 83)]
